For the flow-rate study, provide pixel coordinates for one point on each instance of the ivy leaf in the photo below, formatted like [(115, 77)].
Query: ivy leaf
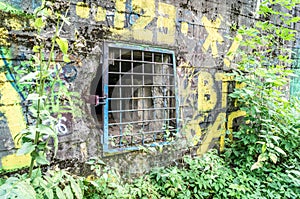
[(26, 148), (63, 45)]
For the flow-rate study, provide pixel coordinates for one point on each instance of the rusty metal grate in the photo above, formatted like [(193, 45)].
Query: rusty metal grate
[(141, 106)]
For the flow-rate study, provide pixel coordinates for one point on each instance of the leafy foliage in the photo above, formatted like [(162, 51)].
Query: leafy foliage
[(262, 160), (46, 94), (270, 132), (55, 184)]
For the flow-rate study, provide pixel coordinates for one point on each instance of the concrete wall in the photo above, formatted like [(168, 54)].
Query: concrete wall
[(197, 31)]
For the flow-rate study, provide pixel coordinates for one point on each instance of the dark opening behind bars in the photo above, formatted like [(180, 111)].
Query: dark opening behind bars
[(141, 103)]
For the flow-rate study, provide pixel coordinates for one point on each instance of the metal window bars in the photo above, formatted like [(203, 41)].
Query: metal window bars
[(141, 107)]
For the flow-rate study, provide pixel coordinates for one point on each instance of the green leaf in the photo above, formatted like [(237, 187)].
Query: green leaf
[(293, 20), (279, 150), (262, 157), (296, 172), (273, 157), (46, 130), (75, 187), (66, 20), (263, 148), (35, 97), (68, 192), (49, 193), (16, 188), (39, 23), (59, 193), (256, 165), (26, 148), (66, 58), (41, 159), (63, 45), (36, 49), (29, 77)]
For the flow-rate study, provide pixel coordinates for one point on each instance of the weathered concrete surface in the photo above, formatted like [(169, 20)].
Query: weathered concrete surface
[(197, 31)]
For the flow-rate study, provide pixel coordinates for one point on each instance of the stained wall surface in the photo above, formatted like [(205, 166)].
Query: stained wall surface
[(197, 31)]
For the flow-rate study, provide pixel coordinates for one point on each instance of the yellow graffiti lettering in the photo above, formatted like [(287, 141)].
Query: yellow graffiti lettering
[(213, 35), (166, 23), (101, 14), (119, 20), (14, 23), (184, 28), (214, 131), (3, 37), (193, 130), (11, 108), (235, 45), (225, 79), (207, 96), (138, 28), (82, 10), (120, 14), (231, 118), (14, 161)]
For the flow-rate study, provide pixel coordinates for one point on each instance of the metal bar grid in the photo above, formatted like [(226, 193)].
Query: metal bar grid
[(139, 85), (138, 98), (141, 97), (138, 139), (144, 74), (146, 109), (137, 61), (140, 121), (145, 133)]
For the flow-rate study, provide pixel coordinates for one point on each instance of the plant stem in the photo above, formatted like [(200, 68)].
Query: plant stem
[(40, 90)]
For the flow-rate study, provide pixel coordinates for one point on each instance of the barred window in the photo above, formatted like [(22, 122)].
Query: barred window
[(141, 106)]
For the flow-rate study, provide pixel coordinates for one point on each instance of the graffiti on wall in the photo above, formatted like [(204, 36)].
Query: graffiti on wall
[(205, 92), (13, 95), (139, 20), (12, 118), (204, 102)]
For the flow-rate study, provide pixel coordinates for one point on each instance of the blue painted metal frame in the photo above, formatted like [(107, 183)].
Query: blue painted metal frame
[(106, 46)]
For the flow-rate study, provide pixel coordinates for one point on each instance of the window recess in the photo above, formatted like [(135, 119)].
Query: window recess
[(140, 107)]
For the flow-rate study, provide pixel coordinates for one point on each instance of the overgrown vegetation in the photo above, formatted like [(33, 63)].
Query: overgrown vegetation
[(261, 161), (47, 95)]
